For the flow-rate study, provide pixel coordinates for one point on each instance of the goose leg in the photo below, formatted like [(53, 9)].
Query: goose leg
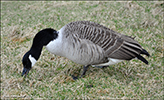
[(84, 71)]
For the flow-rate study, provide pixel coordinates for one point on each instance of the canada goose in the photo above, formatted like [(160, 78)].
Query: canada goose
[(86, 43)]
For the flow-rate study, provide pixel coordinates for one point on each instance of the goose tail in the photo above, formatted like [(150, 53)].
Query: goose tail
[(142, 58), (145, 52)]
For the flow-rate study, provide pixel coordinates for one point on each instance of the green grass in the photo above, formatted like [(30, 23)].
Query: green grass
[(51, 76)]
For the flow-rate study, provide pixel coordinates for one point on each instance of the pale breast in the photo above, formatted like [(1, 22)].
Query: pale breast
[(55, 46)]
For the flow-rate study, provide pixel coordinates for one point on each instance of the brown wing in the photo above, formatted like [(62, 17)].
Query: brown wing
[(114, 44)]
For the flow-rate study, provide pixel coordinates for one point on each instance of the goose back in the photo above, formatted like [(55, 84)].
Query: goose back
[(113, 44)]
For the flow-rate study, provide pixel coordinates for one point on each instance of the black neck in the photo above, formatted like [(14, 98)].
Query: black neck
[(36, 51), (42, 38)]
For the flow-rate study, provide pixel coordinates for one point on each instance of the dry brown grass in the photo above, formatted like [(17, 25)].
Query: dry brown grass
[(50, 77)]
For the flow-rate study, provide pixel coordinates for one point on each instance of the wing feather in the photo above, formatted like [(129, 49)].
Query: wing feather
[(115, 45)]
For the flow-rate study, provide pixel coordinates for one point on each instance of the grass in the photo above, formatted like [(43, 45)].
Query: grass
[(51, 76)]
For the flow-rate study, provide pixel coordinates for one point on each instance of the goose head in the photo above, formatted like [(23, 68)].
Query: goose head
[(42, 38)]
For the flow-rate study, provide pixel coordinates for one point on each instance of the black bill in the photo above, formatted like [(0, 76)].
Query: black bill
[(25, 71)]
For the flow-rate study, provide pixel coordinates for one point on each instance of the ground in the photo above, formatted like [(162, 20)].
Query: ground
[(51, 76)]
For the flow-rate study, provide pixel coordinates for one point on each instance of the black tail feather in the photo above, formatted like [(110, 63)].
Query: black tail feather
[(142, 59), (145, 52)]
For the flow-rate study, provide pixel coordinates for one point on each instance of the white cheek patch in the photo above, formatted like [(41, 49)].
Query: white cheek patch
[(32, 59)]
